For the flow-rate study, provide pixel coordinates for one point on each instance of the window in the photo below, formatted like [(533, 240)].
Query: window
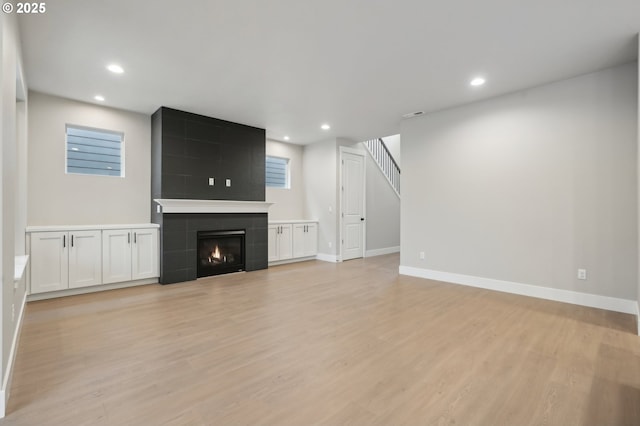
[(94, 152), (277, 172)]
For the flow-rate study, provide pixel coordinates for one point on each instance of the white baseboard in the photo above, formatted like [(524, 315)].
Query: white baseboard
[(5, 392), (93, 289), (381, 251), (295, 260), (327, 257), (574, 297)]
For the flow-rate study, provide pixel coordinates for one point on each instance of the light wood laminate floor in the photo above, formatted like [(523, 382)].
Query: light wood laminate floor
[(322, 343)]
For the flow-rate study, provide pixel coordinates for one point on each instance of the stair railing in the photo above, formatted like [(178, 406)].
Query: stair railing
[(385, 161)]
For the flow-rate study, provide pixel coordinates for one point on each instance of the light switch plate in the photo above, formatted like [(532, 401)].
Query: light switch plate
[(212, 181)]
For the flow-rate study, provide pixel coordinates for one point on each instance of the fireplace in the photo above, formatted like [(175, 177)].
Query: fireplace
[(220, 252)]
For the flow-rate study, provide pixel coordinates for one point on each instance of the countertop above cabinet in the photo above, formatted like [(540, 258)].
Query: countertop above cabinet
[(282, 222), (61, 228)]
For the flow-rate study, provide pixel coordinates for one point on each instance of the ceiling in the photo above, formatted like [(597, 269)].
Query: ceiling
[(290, 65)]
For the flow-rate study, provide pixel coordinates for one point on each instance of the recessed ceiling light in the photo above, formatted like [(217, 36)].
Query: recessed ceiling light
[(99, 98), (115, 68), (478, 81), (286, 138), (325, 127)]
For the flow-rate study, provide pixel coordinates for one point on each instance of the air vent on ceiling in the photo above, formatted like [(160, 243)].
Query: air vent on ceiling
[(413, 114)]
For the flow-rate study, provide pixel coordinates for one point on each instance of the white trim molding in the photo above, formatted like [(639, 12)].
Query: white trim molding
[(92, 289), (638, 316), (293, 260), (567, 296), (5, 392), (211, 206), (362, 152), (327, 257), (381, 251)]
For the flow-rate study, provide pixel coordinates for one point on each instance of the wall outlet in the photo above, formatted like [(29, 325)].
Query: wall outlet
[(330, 209), (212, 181), (421, 255), (330, 244), (582, 274), (228, 183)]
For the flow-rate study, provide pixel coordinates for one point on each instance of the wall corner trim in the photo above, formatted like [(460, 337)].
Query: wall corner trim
[(573, 297)]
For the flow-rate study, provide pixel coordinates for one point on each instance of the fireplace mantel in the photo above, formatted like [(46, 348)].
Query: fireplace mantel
[(211, 206)]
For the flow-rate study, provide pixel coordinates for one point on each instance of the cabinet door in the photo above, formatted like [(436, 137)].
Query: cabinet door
[(285, 242), (116, 255), (85, 258), (144, 260), (299, 235), (311, 240), (272, 238), (49, 261)]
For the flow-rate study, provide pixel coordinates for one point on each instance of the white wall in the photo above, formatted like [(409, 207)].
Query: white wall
[(321, 170), (21, 178), (638, 176), (289, 203), (383, 210), (57, 198), (12, 117), (529, 187), (319, 175), (382, 205)]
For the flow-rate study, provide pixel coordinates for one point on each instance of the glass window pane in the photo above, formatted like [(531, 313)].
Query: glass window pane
[(94, 152)]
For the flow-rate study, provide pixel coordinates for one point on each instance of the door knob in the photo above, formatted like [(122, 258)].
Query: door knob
[(362, 218)]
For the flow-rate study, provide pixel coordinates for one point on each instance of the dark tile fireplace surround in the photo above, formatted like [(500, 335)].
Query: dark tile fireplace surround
[(180, 241), (187, 150)]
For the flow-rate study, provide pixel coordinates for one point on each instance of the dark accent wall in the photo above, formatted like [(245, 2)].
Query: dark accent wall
[(180, 241), (188, 149)]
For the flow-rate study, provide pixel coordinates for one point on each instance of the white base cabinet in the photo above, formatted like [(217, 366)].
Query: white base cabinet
[(116, 255), (129, 254), (144, 254), (62, 260), (85, 260), (49, 261), (280, 242), (65, 259), (291, 241)]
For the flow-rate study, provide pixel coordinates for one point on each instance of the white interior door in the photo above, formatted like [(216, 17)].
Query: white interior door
[(352, 216)]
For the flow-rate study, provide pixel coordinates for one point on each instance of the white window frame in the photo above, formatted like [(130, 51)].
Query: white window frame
[(94, 129), (288, 172)]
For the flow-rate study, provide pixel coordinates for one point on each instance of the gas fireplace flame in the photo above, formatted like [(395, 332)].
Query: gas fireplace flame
[(215, 255)]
